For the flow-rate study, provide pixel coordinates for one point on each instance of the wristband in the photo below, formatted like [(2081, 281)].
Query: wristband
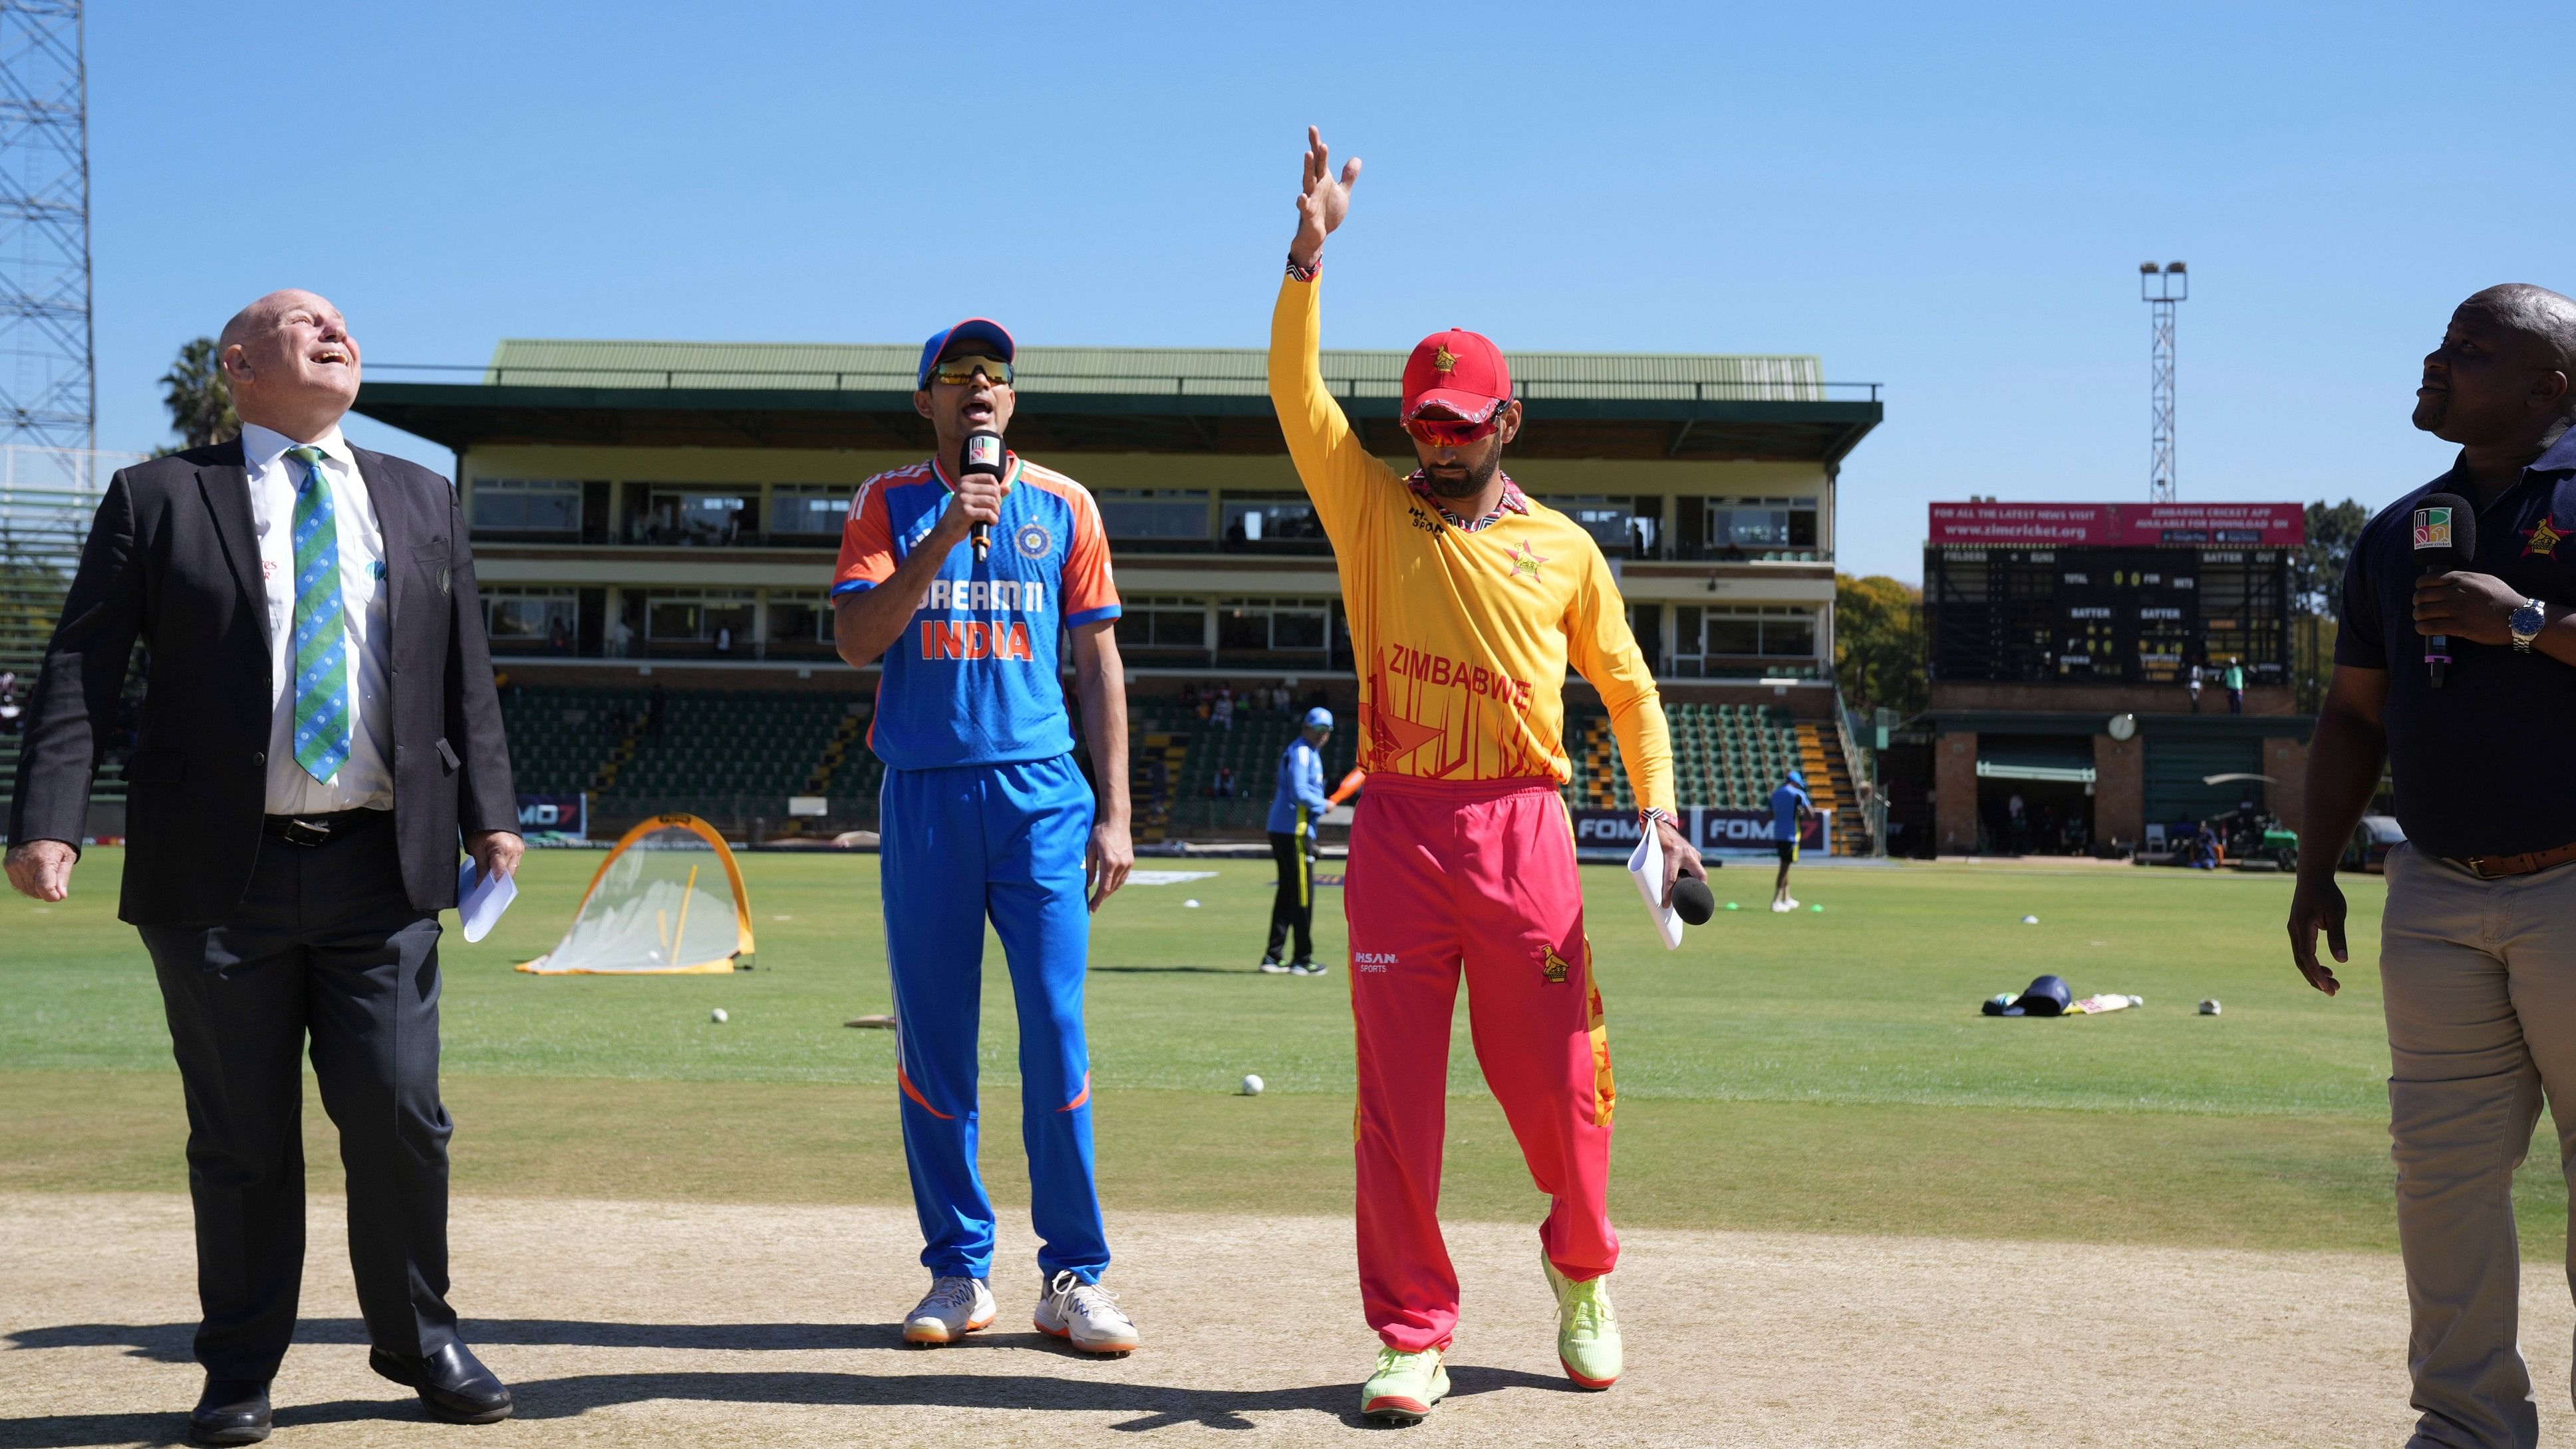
[(1648, 815), (1305, 274)]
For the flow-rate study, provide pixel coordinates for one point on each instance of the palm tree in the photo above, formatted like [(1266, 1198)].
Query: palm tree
[(200, 402)]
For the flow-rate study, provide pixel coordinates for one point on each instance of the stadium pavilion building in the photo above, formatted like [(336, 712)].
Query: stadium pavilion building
[(661, 520)]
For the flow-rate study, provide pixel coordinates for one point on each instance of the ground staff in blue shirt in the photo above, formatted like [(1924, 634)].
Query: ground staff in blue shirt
[(984, 814), (2477, 956), (1790, 807), (1296, 812)]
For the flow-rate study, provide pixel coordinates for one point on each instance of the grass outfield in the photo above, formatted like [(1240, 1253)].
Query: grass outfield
[(1822, 1070)]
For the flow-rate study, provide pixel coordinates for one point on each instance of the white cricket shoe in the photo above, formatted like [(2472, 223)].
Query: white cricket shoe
[(954, 1308), (1085, 1315)]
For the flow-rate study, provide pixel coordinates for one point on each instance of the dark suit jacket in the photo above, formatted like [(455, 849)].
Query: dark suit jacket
[(172, 560)]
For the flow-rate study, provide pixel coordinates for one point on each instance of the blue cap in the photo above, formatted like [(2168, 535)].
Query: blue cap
[(1319, 718), (973, 329), (1794, 775)]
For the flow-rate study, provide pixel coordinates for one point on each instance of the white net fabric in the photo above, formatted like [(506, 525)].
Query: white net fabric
[(665, 904)]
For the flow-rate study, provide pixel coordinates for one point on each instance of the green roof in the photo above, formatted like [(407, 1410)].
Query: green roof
[(1129, 371)]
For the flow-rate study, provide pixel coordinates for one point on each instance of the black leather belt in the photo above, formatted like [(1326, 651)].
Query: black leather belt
[(312, 830)]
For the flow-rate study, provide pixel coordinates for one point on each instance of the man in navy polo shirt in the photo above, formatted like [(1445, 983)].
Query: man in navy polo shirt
[(2478, 940)]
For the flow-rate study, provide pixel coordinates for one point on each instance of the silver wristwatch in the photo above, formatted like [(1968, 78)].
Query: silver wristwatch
[(2526, 624)]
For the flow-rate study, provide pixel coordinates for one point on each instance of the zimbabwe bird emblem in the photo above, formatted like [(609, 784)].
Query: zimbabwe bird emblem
[(2542, 537), (1444, 360), (1551, 965)]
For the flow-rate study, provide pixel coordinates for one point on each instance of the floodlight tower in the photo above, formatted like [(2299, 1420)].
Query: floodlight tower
[(48, 382), (2161, 288)]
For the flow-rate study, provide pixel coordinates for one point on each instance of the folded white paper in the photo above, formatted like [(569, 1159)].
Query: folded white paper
[(480, 902), (1646, 868)]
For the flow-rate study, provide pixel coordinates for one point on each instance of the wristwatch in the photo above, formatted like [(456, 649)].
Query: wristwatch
[(2526, 624)]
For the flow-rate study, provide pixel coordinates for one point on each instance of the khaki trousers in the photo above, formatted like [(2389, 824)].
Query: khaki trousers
[(2479, 980)]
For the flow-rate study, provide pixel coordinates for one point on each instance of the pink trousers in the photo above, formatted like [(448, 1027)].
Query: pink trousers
[(1475, 876)]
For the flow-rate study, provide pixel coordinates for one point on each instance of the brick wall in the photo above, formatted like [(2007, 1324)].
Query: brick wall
[(2286, 761), (1954, 801), (2119, 789)]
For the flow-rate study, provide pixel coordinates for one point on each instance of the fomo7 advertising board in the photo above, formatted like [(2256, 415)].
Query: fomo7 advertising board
[(1707, 827)]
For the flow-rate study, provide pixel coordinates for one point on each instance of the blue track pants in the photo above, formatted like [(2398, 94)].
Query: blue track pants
[(1005, 841)]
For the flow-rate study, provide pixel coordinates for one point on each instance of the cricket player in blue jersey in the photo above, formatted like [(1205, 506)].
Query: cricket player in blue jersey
[(1296, 814), (984, 813), (1790, 807)]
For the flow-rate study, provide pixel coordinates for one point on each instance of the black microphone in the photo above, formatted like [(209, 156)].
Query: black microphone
[(2446, 541), (981, 453), (1692, 901)]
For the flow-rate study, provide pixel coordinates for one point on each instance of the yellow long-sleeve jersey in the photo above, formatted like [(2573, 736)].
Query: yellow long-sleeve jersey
[(1462, 638)]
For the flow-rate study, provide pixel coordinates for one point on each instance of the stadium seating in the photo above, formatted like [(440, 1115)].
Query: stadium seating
[(1725, 756), (745, 752)]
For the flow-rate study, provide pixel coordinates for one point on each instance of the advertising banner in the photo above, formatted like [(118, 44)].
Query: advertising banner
[(1708, 828), (2120, 525), (554, 817)]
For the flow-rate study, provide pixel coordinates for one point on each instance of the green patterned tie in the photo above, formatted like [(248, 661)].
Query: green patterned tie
[(321, 638)]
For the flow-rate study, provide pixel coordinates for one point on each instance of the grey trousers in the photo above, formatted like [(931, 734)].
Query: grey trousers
[(2479, 981)]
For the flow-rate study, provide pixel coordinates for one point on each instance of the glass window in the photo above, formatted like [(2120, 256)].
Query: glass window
[(1793, 638), (1154, 512), (1163, 623), (1622, 526), (799, 617), (1252, 626), (805, 510), (1281, 519), (697, 515), (1729, 634), (672, 616), (515, 616), (1747, 632), (527, 505), (1775, 527)]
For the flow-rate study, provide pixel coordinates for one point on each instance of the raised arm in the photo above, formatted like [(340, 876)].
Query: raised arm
[(1337, 470)]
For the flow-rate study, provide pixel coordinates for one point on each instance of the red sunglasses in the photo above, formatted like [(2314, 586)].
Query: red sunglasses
[(1453, 432)]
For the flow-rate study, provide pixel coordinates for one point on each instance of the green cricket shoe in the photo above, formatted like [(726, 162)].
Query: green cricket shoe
[(1405, 1386), (1587, 1328)]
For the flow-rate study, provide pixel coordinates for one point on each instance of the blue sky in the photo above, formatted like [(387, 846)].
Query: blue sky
[(1949, 200)]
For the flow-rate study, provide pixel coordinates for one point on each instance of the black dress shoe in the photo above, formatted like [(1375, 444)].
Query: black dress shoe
[(230, 1411), (454, 1385)]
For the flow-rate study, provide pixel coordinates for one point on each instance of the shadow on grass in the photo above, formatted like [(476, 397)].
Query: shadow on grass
[(1150, 1406)]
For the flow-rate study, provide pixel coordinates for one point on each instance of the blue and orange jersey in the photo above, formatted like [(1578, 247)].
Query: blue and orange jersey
[(975, 677)]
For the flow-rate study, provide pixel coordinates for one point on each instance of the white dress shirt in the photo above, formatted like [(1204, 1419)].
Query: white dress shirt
[(363, 781)]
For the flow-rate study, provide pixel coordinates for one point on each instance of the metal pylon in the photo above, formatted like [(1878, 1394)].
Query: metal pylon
[(2162, 288), (48, 384)]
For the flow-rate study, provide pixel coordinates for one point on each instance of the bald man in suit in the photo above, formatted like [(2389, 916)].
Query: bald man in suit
[(319, 728)]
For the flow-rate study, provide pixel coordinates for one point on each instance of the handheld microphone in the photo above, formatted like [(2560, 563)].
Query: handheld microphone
[(981, 453), (1692, 901), (2446, 541)]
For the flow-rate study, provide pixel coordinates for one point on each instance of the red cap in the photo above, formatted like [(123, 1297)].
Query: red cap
[(1460, 371)]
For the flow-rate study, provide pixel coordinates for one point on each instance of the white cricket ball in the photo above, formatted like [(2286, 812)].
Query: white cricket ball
[(2030, 920), (1251, 1084), (717, 1016), (2209, 1006), (1193, 905)]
